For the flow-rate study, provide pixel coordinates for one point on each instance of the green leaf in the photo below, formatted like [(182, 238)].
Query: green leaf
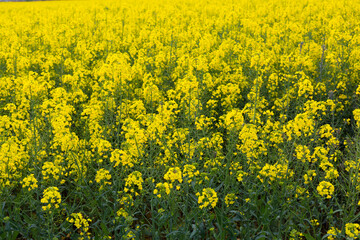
[(309, 237)]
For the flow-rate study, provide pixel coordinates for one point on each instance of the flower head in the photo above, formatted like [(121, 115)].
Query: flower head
[(208, 197)]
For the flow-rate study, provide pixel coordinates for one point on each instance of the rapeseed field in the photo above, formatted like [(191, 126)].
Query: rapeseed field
[(182, 119)]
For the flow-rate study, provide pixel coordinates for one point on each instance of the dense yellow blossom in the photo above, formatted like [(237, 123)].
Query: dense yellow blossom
[(250, 144), (12, 159), (174, 174), (103, 177), (356, 114), (50, 170), (29, 182), (325, 189), (134, 182), (279, 172), (51, 198), (302, 153), (208, 197), (352, 230)]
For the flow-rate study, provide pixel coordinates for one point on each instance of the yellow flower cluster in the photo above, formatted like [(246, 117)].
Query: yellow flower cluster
[(208, 197), (122, 213), (13, 158), (303, 153), (174, 174), (190, 172), (134, 183), (81, 223), (126, 202), (333, 233), (162, 189), (120, 157), (29, 182), (240, 175), (356, 114), (278, 172), (50, 170), (305, 88), (251, 145), (230, 199), (103, 177), (352, 230), (309, 175), (325, 189), (51, 198), (314, 222)]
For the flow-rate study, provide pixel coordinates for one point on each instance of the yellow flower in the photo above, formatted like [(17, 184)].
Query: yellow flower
[(127, 200), (102, 177), (352, 230), (51, 170), (294, 235), (305, 88), (81, 223), (250, 144), (331, 173), (173, 174), (51, 198), (240, 175), (207, 198), (162, 189), (233, 120), (314, 222), (320, 153), (133, 180), (122, 213), (308, 177), (274, 172), (325, 189), (333, 231), (29, 182), (122, 157), (189, 172), (356, 114), (302, 153), (230, 199)]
